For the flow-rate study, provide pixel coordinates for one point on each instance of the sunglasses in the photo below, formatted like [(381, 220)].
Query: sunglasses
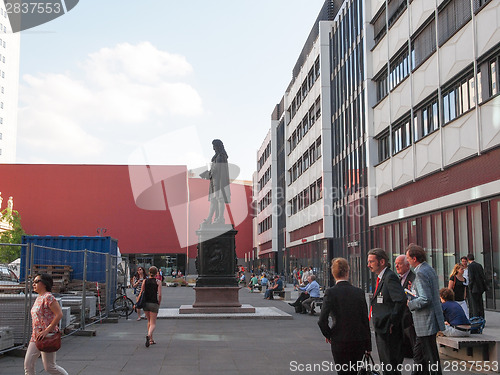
[(36, 281)]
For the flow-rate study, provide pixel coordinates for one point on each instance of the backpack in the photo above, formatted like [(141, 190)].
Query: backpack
[(477, 324)]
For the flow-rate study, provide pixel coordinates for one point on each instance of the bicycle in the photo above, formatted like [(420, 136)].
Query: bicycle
[(122, 304)]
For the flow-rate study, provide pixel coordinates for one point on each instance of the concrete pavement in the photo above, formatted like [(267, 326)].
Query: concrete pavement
[(204, 346)]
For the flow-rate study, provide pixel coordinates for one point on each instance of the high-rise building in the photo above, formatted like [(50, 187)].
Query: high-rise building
[(392, 131), (9, 87), (435, 135)]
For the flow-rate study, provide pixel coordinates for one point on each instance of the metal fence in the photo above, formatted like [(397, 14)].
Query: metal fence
[(85, 285)]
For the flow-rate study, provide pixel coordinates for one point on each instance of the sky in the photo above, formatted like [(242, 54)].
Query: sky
[(155, 81)]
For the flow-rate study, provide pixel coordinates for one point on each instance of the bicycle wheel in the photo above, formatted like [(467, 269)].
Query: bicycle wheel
[(123, 306)]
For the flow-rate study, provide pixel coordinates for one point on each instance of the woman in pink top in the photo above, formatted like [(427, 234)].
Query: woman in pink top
[(45, 315)]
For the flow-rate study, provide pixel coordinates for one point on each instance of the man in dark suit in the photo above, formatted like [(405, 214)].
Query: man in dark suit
[(477, 285), (406, 278), (386, 311), (349, 335)]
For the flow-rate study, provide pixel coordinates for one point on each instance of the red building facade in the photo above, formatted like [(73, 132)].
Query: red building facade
[(153, 211)]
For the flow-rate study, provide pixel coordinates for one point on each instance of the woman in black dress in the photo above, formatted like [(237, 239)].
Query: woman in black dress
[(151, 288), (457, 284)]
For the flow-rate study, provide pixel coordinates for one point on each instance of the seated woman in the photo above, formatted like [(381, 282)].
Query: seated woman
[(457, 324)]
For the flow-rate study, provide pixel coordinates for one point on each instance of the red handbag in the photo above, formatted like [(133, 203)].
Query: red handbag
[(50, 343)]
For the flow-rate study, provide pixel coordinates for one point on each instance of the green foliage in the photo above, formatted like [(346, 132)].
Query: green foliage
[(11, 253)]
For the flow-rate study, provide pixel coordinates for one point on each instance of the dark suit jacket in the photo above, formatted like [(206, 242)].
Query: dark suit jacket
[(407, 319), (394, 299), (477, 279), (346, 305)]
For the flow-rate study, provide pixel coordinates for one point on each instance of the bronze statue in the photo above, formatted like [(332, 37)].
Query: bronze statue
[(219, 193)]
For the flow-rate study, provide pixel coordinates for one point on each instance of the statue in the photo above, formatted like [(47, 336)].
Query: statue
[(219, 193)]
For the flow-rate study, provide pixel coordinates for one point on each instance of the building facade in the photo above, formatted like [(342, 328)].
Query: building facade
[(408, 129), (9, 87), (433, 143)]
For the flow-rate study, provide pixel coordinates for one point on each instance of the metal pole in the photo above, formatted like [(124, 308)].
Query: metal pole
[(108, 284), (27, 292), (84, 292)]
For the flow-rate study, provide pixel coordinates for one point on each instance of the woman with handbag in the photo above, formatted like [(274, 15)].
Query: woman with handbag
[(151, 288), (457, 284), (45, 314)]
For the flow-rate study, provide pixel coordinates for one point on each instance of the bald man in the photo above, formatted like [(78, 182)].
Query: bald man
[(406, 277)]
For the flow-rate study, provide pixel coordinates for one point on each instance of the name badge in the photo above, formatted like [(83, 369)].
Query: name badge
[(380, 299)]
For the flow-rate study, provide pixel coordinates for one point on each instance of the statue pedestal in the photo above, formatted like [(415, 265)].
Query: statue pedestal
[(217, 285)]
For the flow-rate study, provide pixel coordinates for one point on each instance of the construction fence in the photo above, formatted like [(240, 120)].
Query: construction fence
[(85, 285)]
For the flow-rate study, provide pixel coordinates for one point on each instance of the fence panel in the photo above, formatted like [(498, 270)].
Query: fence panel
[(85, 284), (14, 302)]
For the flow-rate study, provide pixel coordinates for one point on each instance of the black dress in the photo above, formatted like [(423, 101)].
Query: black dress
[(458, 289)]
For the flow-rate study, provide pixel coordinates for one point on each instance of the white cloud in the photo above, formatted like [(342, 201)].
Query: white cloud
[(118, 94)]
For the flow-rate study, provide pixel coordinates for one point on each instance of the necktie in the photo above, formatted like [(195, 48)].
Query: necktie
[(376, 287)]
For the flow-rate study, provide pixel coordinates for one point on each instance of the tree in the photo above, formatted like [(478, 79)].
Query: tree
[(14, 236)]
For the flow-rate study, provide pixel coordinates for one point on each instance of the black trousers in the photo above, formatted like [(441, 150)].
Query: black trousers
[(346, 354), (477, 306), (426, 354), (390, 350)]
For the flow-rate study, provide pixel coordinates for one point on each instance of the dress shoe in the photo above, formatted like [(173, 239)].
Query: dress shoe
[(291, 304)]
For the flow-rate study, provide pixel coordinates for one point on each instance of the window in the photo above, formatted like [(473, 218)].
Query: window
[(458, 98), (423, 44), (379, 25), (479, 4), (316, 68), (401, 135), (399, 68), (395, 8), (493, 74), (426, 119), (299, 133), (305, 160), (318, 148), (312, 155), (381, 83), (319, 186), (312, 190), (0, 135), (383, 147), (318, 108), (452, 17)]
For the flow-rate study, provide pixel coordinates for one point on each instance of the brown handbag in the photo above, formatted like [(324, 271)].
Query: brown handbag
[(51, 343)]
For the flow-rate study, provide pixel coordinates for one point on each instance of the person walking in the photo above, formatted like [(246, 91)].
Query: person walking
[(45, 314), (151, 288), (457, 285), (477, 286), (426, 311), (349, 335), (387, 306), (406, 278), (139, 277)]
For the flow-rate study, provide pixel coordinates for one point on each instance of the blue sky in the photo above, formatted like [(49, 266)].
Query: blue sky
[(122, 81)]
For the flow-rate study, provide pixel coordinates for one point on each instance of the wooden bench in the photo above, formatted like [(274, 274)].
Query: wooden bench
[(476, 347)]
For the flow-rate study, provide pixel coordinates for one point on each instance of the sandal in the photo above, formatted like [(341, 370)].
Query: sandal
[(147, 342), (152, 342)]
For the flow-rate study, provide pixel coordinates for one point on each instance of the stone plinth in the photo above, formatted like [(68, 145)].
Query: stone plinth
[(213, 300), (217, 285)]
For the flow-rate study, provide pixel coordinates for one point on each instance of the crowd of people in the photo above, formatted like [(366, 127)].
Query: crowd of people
[(407, 310)]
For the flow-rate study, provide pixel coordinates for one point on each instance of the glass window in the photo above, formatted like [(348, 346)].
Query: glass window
[(476, 232), (379, 25), (423, 44), (452, 17)]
